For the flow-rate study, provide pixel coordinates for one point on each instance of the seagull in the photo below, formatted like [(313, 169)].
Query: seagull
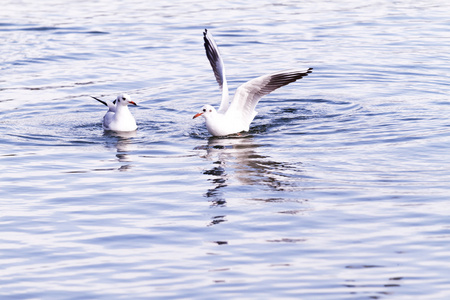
[(118, 117), (235, 117)]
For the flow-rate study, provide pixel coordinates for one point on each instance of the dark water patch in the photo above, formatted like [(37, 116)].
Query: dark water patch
[(35, 137), (41, 28), (362, 266), (54, 29), (7, 24), (95, 32), (287, 240)]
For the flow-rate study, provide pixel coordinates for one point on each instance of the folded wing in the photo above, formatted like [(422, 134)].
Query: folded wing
[(111, 105)]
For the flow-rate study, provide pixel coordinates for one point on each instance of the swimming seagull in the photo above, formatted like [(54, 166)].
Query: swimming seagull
[(118, 117), (236, 116)]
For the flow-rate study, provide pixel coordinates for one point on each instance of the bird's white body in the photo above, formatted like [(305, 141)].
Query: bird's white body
[(118, 117), (237, 116), (221, 124)]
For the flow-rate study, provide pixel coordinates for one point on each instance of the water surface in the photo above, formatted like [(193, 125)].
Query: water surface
[(338, 191)]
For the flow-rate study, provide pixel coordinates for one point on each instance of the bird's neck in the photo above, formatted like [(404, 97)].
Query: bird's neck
[(122, 109)]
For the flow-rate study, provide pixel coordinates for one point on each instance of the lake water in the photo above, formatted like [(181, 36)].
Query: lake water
[(340, 190)]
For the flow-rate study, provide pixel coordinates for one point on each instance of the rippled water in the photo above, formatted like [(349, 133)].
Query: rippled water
[(339, 190)]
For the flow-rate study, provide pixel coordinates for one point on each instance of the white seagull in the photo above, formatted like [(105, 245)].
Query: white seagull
[(236, 116), (118, 117)]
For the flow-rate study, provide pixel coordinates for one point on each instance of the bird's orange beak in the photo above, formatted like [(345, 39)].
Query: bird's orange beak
[(134, 103), (197, 115)]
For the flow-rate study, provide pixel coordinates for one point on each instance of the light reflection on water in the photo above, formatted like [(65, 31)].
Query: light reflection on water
[(339, 190)]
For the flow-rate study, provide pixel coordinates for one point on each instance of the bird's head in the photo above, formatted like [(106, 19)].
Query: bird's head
[(206, 111), (124, 99)]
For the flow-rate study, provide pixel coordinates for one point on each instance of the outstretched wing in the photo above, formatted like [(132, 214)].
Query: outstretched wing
[(248, 95), (213, 54)]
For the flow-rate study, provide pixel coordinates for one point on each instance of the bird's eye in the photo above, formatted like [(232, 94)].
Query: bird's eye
[(204, 110)]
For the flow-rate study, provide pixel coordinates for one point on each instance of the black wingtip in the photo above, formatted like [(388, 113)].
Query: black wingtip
[(101, 101), (308, 71)]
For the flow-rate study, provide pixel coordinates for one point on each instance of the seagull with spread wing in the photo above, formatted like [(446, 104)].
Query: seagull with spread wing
[(236, 116)]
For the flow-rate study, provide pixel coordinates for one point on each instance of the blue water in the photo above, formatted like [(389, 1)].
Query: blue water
[(339, 191)]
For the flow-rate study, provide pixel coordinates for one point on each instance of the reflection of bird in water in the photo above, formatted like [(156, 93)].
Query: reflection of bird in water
[(235, 161), (122, 142), (236, 158), (219, 182)]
